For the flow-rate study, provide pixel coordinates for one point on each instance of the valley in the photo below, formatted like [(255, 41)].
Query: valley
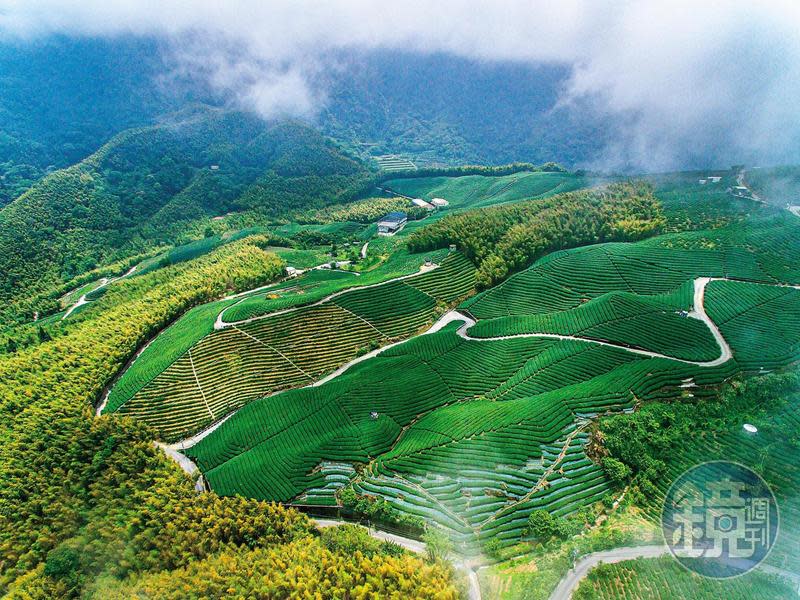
[(487, 416), (454, 377), (443, 301)]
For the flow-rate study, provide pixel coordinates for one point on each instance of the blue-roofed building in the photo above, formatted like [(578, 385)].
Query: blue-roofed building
[(392, 223)]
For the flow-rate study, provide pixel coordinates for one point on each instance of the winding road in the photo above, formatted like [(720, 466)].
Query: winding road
[(581, 569), (220, 324), (571, 580), (574, 576), (105, 282), (698, 312)]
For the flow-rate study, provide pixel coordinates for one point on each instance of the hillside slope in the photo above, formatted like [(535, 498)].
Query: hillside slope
[(149, 185), (61, 99)]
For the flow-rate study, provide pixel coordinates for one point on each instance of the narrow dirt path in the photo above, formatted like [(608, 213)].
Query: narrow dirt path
[(81, 301), (197, 381), (444, 320), (543, 478), (273, 349)]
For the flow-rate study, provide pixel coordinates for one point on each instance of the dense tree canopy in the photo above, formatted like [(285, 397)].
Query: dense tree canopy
[(301, 569), (504, 239), (153, 186)]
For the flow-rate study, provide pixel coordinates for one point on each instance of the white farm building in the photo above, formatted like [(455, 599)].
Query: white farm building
[(392, 223), (439, 202)]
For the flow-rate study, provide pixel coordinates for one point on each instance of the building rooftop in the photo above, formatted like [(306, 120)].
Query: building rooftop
[(394, 217)]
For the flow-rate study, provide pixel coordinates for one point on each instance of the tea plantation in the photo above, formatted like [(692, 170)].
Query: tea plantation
[(664, 578), (475, 427), (474, 191), (193, 375)]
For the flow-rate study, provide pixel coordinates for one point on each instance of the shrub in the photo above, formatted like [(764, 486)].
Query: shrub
[(616, 470), (62, 562)]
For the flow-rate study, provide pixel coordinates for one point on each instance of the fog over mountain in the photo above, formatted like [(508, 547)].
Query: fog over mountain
[(644, 85)]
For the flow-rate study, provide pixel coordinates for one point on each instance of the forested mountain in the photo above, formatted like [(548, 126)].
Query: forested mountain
[(443, 109), (148, 185), (61, 99)]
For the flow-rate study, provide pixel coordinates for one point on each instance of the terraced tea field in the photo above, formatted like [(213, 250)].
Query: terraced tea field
[(657, 323), (390, 162), (390, 261), (747, 315), (664, 578), (772, 452), (314, 285), (476, 425), (194, 374), (476, 191), (318, 284)]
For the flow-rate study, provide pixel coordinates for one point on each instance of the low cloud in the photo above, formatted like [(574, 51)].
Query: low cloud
[(688, 78)]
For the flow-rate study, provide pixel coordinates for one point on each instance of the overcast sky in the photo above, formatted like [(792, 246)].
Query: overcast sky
[(680, 69)]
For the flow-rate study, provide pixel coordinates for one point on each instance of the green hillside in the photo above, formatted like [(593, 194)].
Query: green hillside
[(475, 434), (155, 185), (640, 579), (689, 204), (61, 99), (505, 239), (476, 191), (652, 323), (193, 375), (471, 428)]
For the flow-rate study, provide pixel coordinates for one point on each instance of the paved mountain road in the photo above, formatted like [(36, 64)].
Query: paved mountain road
[(581, 569), (105, 282), (574, 576), (565, 588), (698, 312)]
